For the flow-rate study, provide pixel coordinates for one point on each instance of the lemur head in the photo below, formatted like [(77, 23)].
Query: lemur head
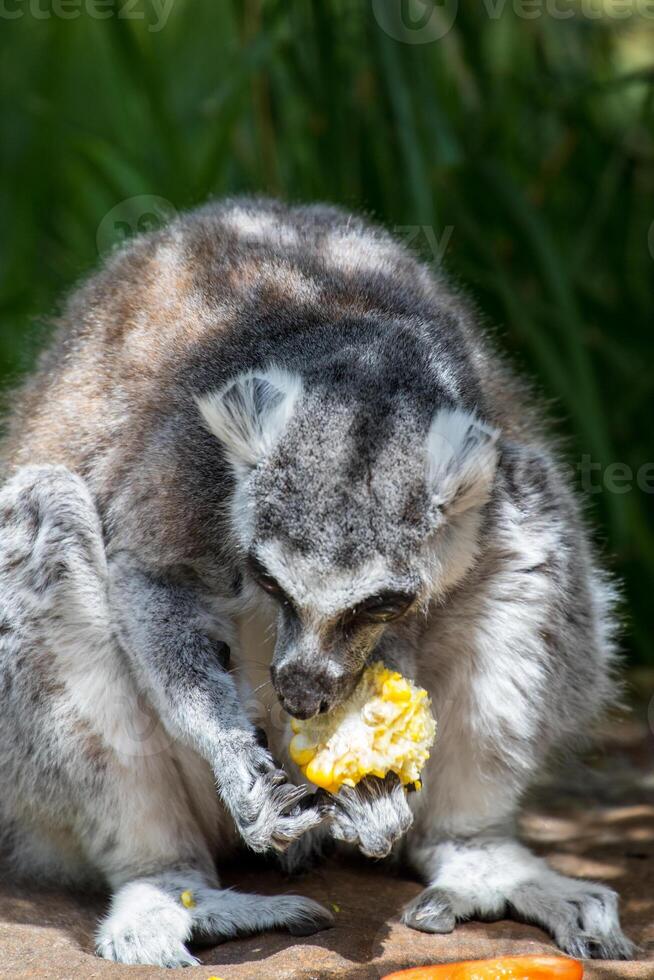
[(352, 508)]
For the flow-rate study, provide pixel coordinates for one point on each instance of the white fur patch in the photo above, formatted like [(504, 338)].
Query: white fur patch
[(260, 227), (461, 459), (353, 251), (250, 412)]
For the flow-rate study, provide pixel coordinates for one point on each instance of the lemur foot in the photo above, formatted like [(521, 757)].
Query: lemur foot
[(374, 814), (269, 812), (146, 925), (149, 923), (221, 915), (501, 879), (430, 911)]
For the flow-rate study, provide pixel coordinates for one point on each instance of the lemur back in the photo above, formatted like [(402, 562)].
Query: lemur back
[(230, 287)]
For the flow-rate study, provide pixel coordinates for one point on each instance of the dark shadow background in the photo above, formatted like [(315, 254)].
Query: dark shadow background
[(511, 139)]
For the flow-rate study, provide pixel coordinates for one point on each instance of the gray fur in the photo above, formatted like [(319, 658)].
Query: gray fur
[(373, 815), (262, 399)]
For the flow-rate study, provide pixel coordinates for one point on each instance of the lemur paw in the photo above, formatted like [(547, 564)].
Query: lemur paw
[(430, 911), (145, 926), (269, 812), (374, 814), (581, 916), (221, 915)]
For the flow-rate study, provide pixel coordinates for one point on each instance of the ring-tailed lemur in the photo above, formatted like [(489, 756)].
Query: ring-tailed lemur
[(268, 423)]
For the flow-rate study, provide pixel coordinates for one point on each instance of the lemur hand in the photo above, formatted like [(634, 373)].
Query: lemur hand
[(269, 811), (374, 814)]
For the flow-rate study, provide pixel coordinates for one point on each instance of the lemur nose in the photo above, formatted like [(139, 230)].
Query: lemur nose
[(300, 711), (302, 692)]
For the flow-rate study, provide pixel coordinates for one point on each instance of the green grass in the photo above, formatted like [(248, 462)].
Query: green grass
[(529, 142)]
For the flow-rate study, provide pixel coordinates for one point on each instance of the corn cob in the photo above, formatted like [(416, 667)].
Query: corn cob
[(386, 725)]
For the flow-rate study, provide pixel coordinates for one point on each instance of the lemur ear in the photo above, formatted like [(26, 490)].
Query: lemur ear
[(461, 459), (250, 412)]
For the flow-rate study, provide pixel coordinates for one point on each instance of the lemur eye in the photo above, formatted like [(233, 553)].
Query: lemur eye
[(263, 578), (266, 581), (381, 608)]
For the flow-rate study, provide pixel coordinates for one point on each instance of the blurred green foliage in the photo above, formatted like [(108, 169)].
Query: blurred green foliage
[(525, 143)]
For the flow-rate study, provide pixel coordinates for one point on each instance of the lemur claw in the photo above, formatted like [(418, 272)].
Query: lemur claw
[(374, 814), (271, 812)]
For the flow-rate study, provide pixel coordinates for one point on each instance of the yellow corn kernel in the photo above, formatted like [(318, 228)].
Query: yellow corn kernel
[(321, 775), (386, 725)]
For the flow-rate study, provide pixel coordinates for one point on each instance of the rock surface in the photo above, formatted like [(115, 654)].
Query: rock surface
[(599, 823)]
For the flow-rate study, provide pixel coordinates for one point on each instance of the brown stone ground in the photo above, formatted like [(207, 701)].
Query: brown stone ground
[(598, 823)]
